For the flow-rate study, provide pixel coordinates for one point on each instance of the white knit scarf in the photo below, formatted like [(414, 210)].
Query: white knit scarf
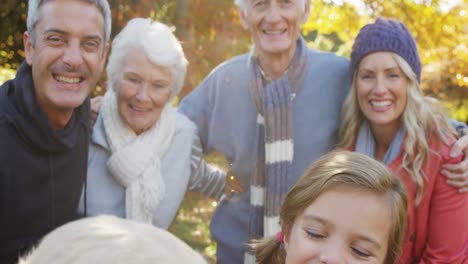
[(135, 161)]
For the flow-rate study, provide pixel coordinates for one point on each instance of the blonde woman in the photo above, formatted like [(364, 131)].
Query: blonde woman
[(386, 117)]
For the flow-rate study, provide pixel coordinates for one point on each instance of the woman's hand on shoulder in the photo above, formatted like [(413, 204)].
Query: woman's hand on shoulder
[(96, 103)]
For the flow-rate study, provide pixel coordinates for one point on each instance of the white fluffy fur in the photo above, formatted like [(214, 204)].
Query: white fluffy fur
[(108, 239)]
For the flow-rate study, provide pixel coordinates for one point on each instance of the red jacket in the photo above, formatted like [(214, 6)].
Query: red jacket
[(437, 230)]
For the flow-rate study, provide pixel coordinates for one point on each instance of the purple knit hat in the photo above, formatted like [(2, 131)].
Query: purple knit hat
[(386, 35)]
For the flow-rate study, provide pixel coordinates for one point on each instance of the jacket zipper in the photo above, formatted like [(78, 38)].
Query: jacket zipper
[(52, 192)]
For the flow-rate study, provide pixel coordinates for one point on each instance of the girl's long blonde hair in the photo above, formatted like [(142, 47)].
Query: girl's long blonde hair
[(340, 168)]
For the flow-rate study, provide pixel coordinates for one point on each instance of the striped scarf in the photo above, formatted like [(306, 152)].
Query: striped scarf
[(270, 174)]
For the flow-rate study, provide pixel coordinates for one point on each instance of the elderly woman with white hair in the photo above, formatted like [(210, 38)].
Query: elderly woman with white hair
[(143, 151)]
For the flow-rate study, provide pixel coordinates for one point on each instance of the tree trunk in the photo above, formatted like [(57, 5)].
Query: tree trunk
[(181, 19)]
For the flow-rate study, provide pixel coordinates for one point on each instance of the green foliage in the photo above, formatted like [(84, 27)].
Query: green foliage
[(194, 215), (6, 74), (12, 25), (458, 109), (192, 224)]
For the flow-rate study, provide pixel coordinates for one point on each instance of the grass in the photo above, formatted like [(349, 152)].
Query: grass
[(194, 215)]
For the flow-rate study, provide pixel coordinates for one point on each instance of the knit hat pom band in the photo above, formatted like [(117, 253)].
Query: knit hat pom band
[(386, 35)]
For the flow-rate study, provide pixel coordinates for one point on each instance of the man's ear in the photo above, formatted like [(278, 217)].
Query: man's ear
[(306, 14), (242, 17), (28, 47)]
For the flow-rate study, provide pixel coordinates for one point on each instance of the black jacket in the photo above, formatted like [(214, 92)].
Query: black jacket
[(42, 171)]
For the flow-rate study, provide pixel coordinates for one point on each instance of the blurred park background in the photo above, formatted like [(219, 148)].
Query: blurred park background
[(210, 31)]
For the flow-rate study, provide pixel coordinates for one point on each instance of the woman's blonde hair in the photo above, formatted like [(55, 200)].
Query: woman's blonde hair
[(422, 118), (340, 168)]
